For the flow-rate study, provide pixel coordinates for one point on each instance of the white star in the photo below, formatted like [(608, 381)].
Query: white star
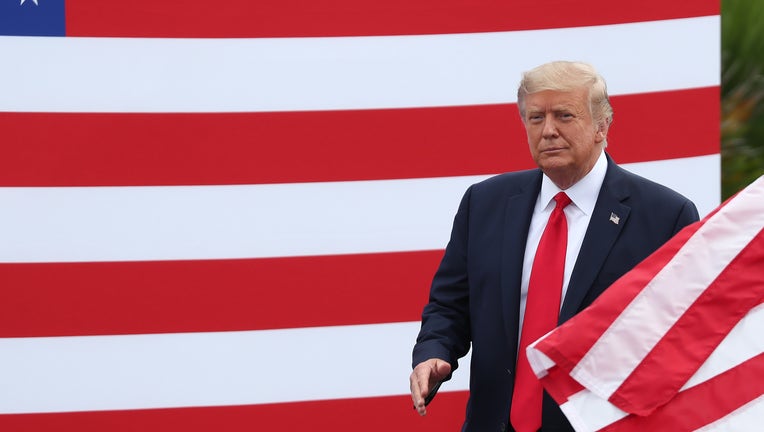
[(34, 1)]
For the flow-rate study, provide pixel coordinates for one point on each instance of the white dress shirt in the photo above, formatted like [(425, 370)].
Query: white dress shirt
[(583, 196)]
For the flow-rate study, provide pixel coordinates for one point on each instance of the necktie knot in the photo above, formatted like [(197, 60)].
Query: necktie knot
[(562, 200)]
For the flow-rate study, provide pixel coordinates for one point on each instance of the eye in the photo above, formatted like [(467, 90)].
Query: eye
[(535, 118), (565, 116)]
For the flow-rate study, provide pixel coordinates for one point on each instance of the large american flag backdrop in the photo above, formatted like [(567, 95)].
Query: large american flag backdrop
[(225, 215)]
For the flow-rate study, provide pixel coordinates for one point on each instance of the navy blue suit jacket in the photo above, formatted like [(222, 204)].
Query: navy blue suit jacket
[(475, 294)]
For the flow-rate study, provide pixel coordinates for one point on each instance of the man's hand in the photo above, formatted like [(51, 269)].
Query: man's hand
[(424, 377)]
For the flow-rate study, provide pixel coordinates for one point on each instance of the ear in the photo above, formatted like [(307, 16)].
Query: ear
[(601, 133)]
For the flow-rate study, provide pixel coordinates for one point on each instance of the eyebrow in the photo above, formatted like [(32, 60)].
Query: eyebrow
[(558, 108)]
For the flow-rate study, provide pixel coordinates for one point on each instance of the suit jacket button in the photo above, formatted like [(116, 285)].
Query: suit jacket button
[(502, 427)]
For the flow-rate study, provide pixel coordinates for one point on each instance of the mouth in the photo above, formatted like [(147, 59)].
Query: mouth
[(552, 150)]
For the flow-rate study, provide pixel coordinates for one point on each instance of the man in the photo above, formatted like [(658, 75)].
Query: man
[(524, 257)]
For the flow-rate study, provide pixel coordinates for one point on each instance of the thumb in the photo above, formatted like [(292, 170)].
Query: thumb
[(442, 369)]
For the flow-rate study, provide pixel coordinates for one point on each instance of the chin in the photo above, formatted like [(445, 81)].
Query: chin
[(553, 162)]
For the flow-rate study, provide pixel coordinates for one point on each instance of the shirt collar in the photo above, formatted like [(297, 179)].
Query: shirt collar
[(583, 194)]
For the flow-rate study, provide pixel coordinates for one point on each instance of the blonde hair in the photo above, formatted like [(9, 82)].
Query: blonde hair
[(567, 76)]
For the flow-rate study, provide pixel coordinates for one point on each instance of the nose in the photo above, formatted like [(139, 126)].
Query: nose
[(550, 128)]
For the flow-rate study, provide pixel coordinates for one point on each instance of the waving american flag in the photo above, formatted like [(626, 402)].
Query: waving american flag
[(675, 344)]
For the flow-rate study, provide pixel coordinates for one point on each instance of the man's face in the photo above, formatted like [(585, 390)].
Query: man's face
[(563, 138)]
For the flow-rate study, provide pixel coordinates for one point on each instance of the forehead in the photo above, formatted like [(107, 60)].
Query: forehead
[(555, 99)]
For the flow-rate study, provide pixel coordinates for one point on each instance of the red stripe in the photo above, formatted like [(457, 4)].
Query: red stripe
[(383, 414), (560, 385), (57, 299), (702, 404), (695, 335), (284, 147), (278, 18)]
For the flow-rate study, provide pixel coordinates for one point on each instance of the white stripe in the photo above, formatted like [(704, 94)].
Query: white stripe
[(208, 369), (742, 343), (159, 223), (697, 178), (653, 312), (217, 222), (587, 411), (206, 75)]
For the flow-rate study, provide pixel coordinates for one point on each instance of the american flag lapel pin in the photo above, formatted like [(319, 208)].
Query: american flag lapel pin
[(614, 218)]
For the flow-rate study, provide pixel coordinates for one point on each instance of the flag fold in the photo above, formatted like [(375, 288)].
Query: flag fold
[(662, 348)]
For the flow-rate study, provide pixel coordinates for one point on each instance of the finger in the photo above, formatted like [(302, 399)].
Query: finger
[(419, 387), (422, 376), (414, 386), (419, 405)]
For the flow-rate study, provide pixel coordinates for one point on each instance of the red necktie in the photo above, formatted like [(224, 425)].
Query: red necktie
[(542, 309)]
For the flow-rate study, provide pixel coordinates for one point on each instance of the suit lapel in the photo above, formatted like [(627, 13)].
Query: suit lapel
[(518, 212), (608, 218)]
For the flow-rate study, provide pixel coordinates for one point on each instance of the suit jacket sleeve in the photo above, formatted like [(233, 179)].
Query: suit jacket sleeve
[(445, 331)]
